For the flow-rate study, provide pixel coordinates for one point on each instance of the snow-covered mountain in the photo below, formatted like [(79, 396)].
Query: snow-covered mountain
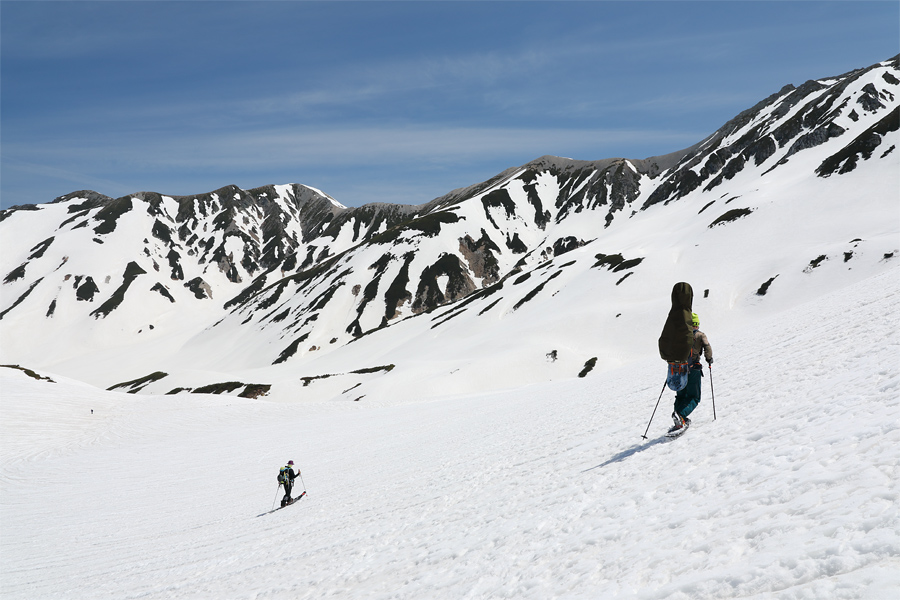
[(785, 221), (543, 492), (546, 271)]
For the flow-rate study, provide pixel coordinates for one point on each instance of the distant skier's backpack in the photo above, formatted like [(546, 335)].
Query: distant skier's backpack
[(283, 477)]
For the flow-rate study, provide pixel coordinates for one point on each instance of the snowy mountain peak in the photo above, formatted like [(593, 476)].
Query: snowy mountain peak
[(767, 135), (282, 290)]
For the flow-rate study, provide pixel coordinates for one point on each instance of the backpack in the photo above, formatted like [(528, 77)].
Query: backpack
[(283, 476)]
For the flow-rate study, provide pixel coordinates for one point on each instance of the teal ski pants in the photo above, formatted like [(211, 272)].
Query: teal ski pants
[(687, 399)]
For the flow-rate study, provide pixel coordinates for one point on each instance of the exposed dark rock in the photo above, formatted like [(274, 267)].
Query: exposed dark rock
[(515, 244), (815, 138), (87, 290), (869, 99), (588, 367), (761, 150), (175, 265), (481, 258), (6, 213), (397, 294), (624, 277), (255, 390), (110, 213), (136, 385), (322, 300), (355, 329), (199, 287), (17, 273), (163, 291), (732, 168), (732, 215), (161, 231), (566, 244), (429, 295), (498, 199), (91, 199), (846, 159), (131, 273), (272, 295), (28, 372), (541, 216), (281, 316), (248, 292), (531, 295), (291, 349), (764, 288), (814, 263), (489, 306), (616, 262), (219, 388), (39, 249)]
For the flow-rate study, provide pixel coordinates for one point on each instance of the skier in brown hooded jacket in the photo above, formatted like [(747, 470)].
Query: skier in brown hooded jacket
[(688, 397), (677, 339), (680, 345)]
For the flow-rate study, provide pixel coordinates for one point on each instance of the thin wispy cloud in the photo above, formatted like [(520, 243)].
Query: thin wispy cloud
[(369, 146), (138, 94), (78, 179)]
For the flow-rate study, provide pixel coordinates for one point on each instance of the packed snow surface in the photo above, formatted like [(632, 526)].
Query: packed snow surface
[(540, 492)]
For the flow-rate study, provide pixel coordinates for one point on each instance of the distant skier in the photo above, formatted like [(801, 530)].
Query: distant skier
[(687, 398), (286, 478)]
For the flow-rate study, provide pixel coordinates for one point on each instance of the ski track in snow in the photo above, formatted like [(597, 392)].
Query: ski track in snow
[(542, 492)]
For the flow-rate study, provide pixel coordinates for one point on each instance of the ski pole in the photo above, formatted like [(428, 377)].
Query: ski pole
[(654, 410), (713, 392), (301, 481), (276, 496)]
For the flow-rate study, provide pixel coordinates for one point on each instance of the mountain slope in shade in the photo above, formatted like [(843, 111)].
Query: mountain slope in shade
[(544, 272)]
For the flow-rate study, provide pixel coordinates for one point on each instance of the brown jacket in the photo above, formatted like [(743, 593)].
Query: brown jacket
[(701, 345)]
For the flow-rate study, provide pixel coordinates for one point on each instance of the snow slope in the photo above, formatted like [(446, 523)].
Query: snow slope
[(545, 491)]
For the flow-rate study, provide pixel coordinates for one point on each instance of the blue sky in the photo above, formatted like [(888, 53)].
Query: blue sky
[(388, 101)]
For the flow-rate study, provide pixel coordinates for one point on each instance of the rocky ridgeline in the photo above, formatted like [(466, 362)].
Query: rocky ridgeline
[(291, 261)]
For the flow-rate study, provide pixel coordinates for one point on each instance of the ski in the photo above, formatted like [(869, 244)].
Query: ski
[(293, 501), (678, 432), (672, 434)]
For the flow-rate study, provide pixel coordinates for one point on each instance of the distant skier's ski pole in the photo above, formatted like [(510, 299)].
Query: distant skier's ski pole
[(713, 392), (654, 409), (303, 482), (276, 496)]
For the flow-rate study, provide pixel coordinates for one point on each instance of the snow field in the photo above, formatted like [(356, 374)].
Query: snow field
[(545, 491)]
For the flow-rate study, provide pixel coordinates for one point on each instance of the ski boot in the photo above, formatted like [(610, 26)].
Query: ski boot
[(680, 424)]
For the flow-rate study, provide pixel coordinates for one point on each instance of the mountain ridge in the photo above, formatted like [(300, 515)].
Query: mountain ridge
[(284, 277)]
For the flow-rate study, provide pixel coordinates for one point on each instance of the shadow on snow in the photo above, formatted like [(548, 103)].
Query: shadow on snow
[(630, 452)]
